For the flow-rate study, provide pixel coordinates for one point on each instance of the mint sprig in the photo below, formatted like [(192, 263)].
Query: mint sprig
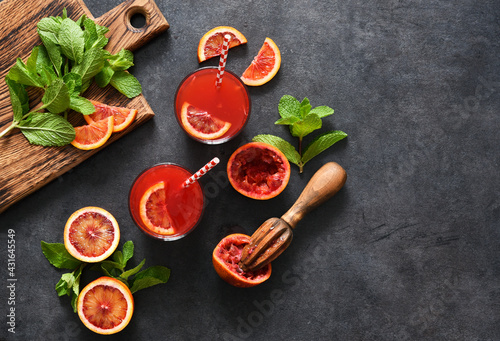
[(63, 66), (302, 120), (134, 278)]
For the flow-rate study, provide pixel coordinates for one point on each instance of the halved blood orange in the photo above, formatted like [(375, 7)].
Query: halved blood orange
[(94, 135), (210, 44), (201, 124), (123, 117), (105, 305), (258, 170), (91, 234), (154, 210), (264, 66), (227, 255)]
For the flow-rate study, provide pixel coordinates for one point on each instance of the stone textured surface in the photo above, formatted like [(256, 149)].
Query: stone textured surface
[(408, 250)]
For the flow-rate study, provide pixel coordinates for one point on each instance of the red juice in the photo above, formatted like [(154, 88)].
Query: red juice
[(184, 205), (229, 102)]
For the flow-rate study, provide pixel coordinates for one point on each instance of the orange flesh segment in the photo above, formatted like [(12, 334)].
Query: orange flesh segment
[(154, 210), (257, 170), (105, 306), (91, 234), (230, 253)]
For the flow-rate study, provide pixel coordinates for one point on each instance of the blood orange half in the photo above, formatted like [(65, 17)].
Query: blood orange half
[(264, 66), (154, 210), (210, 44), (201, 124), (91, 234), (94, 135), (123, 117), (227, 255), (258, 170), (105, 305)]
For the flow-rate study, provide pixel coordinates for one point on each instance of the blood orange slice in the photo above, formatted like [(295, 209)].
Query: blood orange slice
[(154, 211), (210, 44), (105, 305), (258, 170), (123, 117), (264, 66), (93, 135), (201, 124), (226, 257), (91, 234)]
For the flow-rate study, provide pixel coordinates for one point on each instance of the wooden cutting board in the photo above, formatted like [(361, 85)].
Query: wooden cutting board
[(24, 168)]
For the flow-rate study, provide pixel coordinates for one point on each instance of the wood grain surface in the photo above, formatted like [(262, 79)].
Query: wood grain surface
[(25, 168)]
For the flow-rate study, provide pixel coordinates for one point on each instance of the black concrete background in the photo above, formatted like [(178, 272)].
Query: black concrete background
[(408, 250)]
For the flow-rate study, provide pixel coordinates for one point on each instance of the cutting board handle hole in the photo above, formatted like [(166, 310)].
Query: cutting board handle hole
[(137, 19)]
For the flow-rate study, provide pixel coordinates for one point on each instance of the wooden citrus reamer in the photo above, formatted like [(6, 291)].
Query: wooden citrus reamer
[(275, 234)]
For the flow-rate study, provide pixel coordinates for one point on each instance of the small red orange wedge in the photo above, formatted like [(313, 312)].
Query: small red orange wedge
[(123, 117), (93, 135), (264, 66), (201, 124), (154, 211)]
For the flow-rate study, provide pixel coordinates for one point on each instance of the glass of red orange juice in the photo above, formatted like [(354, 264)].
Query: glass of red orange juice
[(160, 204), (208, 113)]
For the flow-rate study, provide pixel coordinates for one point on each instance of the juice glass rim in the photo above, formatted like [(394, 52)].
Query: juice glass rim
[(156, 235), (221, 140)]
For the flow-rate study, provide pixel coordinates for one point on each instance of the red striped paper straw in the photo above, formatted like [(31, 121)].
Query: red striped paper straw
[(223, 59), (201, 172)]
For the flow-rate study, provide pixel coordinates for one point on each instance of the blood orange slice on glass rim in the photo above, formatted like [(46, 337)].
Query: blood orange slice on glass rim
[(105, 306), (264, 66), (153, 210), (91, 234), (123, 117), (210, 44), (94, 135), (201, 124), (227, 255)]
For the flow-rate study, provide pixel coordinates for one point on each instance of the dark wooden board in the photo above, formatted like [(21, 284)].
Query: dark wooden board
[(24, 168)]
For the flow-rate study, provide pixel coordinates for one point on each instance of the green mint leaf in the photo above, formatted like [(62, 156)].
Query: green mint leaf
[(32, 61), (71, 40), (306, 126), (81, 105), (90, 33), (50, 24), (47, 129), (76, 286), (133, 271), (289, 106), (102, 78), (122, 60), (18, 98), (305, 107), (322, 143), (58, 256), (128, 251), (64, 13), (74, 82), (126, 83), (20, 74), (286, 148), (91, 65), (56, 97), (149, 277), (118, 257), (287, 120), (44, 66), (53, 50), (80, 20), (101, 30), (322, 111), (65, 284)]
